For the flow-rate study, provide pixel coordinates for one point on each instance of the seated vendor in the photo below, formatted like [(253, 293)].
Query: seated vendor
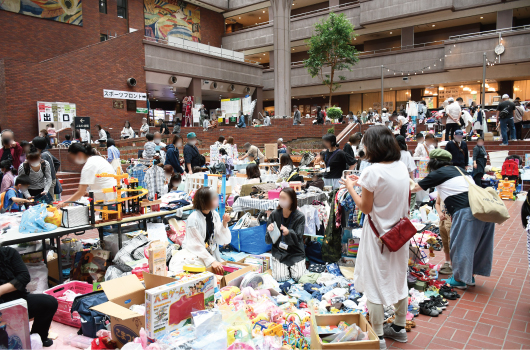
[(204, 234), (288, 254), (14, 277)]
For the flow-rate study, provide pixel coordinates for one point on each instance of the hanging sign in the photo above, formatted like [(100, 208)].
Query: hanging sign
[(82, 122), (128, 95), (141, 110)]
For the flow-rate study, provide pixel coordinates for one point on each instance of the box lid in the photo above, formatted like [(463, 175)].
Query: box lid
[(114, 310), (122, 287)]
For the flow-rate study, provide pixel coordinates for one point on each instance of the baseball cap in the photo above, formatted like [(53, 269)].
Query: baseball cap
[(505, 96), (191, 135), (450, 99), (459, 133)]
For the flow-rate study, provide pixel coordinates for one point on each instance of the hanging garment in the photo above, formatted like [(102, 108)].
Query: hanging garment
[(331, 246), (138, 171), (154, 179), (348, 205), (312, 222)]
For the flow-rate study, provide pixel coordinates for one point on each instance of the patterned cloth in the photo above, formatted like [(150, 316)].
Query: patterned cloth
[(247, 203), (113, 153), (154, 180), (138, 171)]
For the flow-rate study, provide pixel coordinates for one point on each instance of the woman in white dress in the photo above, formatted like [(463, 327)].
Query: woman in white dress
[(380, 274)]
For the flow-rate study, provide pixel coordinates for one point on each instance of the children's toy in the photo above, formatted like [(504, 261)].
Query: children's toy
[(229, 292), (247, 294), (506, 188)]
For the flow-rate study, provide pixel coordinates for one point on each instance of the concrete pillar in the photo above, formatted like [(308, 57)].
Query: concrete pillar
[(271, 59), (195, 90), (505, 19), (281, 10), (333, 3), (258, 96), (407, 36)]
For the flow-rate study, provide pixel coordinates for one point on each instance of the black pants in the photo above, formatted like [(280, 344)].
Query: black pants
[(480, 133), (403, 130), (36, 192), (41, 307), (450, 131), (519, 130), (478, 179)]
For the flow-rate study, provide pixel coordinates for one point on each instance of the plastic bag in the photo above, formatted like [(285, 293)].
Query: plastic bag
[(39, 278), (250, 240), (36, 341), (210, 330), (33, 220), (53, 216), (177, 231)]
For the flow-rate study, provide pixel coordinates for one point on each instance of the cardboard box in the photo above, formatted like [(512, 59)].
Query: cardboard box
[(271, 150), (333, 320), (235, 278), (169, 306), (122, 293), (488, 136)]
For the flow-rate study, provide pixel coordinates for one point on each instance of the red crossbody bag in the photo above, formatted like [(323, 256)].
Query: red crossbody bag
[(397, 236)]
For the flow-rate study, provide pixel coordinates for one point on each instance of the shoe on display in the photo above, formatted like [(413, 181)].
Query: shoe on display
[(472, 284), (389, 332), (427, 308), (47, 343), (382, 344), (439, 303), (446, 269), (503, 144), (454, 283)]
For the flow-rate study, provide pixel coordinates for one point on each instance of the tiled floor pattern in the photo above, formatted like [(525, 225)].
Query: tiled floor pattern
[(493, 315)]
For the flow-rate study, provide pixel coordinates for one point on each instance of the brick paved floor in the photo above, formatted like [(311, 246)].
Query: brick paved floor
[(493, 315)]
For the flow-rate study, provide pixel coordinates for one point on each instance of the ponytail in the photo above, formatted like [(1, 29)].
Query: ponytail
[(77, 147)]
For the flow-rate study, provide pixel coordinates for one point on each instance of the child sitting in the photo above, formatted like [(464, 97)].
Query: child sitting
[(52, 134), (14, 197)]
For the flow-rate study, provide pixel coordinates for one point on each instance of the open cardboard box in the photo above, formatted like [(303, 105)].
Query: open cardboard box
[(333, 320), (122, 293), (234, 278)]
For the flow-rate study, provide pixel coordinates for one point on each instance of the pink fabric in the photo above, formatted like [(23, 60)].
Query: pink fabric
[(7, 181)]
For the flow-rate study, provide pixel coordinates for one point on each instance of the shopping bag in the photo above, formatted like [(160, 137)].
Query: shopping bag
[(90, 266), (33, 220), (250, 240)]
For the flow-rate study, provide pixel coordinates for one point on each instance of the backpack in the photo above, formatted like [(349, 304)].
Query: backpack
[(510, 168), (26, 167), (219, 168), (2, 199), (294, 176), (91, 320)]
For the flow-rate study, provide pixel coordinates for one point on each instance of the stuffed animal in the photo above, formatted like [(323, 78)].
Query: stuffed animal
[(229, 292), (247, 294)]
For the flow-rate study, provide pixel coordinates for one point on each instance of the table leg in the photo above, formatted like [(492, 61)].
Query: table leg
[(44, 252), (59, 260), (145, 224), (100, 231), (119, 236)]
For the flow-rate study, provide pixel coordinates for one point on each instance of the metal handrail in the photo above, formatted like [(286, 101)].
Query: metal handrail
[(489, 32), (194, 49)]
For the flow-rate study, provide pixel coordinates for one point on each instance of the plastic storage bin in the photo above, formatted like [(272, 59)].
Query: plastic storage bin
[(63, 311)]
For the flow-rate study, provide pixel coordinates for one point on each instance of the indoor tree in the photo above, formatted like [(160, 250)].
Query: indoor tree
[(330, 50)]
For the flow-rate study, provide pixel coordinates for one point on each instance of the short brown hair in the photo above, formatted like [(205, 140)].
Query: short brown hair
[(380, 145), (292, 195), (202, 199), (430, 137), (230, 140), (175, 139)]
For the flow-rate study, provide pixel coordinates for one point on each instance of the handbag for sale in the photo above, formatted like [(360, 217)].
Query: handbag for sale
[(397, 236), (485, 203), (74, 216)]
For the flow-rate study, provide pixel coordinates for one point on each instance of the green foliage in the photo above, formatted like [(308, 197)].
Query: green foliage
[(334, 112), (331, 130), (330, 51)]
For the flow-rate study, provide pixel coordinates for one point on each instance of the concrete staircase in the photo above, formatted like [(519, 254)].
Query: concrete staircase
[(69, 181)]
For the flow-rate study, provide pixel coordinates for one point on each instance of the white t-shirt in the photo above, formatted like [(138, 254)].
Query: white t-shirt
[(383, 277), (422, 150), (406, 158), (97, 165), (403, 120), (454, 111)]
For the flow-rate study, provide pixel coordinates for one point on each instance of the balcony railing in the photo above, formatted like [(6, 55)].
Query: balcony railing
[(489, 32)]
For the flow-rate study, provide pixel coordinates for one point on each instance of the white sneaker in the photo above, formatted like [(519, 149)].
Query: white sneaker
[(382, 344)]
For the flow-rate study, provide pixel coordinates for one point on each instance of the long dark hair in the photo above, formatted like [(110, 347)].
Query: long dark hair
[(285, 159), (7, 164), (401, 142), (253, 172), (292, 195), (77, 147)]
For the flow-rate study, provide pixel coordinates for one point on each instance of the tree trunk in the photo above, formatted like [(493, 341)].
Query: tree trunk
[(331, 87)]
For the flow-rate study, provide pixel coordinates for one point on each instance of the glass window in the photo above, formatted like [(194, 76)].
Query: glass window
[(122, 8), (103, 6)]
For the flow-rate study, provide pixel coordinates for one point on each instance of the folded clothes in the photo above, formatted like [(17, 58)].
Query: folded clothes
[(311, 287)]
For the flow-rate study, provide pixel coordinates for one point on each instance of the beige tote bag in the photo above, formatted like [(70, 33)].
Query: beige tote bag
[(485, 203)]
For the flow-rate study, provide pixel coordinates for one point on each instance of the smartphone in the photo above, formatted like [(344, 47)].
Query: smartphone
[(346, 173)]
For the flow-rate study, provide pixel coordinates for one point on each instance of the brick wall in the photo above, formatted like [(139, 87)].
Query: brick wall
[(78, 77), (35, 39), (212, 27)]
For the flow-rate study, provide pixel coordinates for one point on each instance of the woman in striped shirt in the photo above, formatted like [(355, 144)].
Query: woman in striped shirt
[(39, 173)]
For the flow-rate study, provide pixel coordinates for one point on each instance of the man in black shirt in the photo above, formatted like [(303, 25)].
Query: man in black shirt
[(192, 157), (505, 119), (458, 150), (163, 127)]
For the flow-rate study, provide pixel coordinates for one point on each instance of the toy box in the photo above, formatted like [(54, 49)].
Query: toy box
[(274, 194), (169, 306)]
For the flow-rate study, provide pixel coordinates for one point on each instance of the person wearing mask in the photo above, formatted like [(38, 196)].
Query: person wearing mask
[(518, 120), (286, 167), (14, 196), (472, 240), (40, 144), (101, 134), (112, 151), (505, 111), (149, 147), (379, 273), (10, 150), (174, 183), (297, 118), (14, 277), (127, 132), (205, 232), (281, 147), (288, 251), (403, 123), (267, 119), (158, 140), (336, 161), (254, 152), (192, 157), (176, 127), (144, 129), (320, 115), (350, 147), (241, 120), (92, 164), (425, 147), (479, 118), (453, 113), (163, 127), (8, 175), (52, 134), (458, 150), (25, 149), (173, 156), (480, 158), (39, 172)]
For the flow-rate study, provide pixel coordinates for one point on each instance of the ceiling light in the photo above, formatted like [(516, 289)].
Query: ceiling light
[(481, 17), (478, 81), (263, 54), (433, 25), (390, 32), (473, 92), (435, 94), (263, 11), (293, 49), (256, 23), (390, 88), (487, 85), (491, 89), (461, 86), (467, 89), (440, 88), (354, 38), (259, 17), (239, 17)]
